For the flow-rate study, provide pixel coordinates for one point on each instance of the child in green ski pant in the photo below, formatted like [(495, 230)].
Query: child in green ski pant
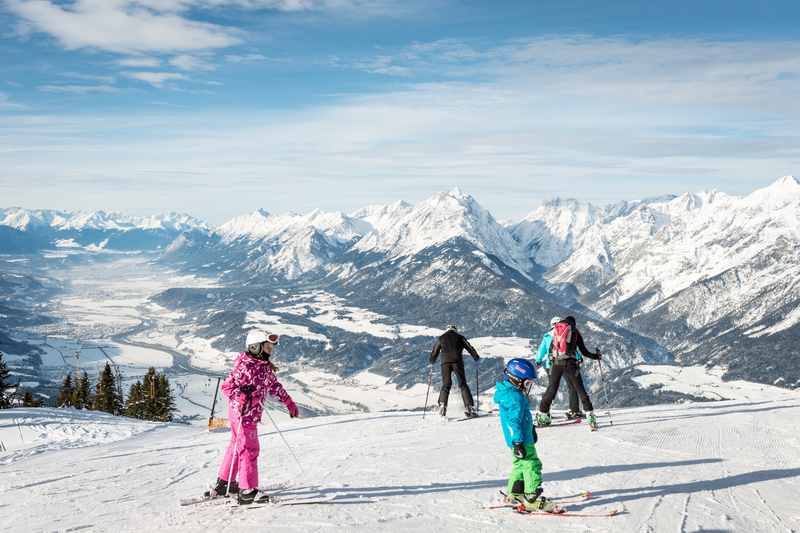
[(524, 484)]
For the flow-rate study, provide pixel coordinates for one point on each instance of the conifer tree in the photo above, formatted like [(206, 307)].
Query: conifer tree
[(166, 402), (83, 394), (67, 392), (5, 400), (134, 407), (29, 401), (106, 397)]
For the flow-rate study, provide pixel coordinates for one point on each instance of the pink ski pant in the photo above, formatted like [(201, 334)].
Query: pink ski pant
[(244, 456)]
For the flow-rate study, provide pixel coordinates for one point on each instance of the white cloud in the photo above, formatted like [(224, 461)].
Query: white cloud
[(103, 79), (124, 26), (156, 79), (245, 58), (139, 62), (191, 63), (604, 118), (77, 89)]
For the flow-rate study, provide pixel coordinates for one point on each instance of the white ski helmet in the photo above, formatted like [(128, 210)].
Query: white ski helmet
[(555, 320), (254, 338)]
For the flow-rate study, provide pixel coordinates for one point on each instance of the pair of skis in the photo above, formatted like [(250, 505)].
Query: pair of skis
[(560, 511)]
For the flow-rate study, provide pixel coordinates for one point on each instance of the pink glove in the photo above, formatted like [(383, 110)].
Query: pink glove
[(293, 412)]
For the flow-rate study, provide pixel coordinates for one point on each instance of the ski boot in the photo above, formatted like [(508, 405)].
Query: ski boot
[(592, 421), (221, 489), (246, 497), (471, 412), (543, 419), (443, 409), (575, 415), (536, 503)]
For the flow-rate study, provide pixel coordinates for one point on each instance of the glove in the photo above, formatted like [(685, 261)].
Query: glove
[(519, 450), (599, 355), (293, 412), (535, 436), (477, 357), (247, 389)]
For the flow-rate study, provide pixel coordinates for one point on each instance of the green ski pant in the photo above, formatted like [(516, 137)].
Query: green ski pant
[(529, 470)]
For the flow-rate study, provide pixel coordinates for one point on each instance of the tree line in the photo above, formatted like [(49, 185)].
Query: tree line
[(149, 398)]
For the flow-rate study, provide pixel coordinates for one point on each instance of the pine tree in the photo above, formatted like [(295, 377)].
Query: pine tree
[(29, 401), (150, 394), (5, 400), (82, 396), (134, 407), (67, 392), (166, 402), (107, 398)]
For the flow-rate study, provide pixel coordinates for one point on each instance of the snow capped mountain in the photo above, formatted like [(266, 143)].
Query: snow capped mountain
[(549, 233), (381, 217), (441, 218), (703, 273), (23, 219), (40, 228)]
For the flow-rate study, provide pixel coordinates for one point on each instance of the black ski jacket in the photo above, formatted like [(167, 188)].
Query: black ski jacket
[(451, 345)]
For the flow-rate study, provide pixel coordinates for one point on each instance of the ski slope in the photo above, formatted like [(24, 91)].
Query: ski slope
[(720, 466)]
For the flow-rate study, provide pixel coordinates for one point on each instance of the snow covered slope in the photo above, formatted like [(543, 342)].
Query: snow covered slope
[(726, 466)]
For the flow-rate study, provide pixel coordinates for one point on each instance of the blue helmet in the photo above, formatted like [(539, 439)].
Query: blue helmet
[(521, 369)]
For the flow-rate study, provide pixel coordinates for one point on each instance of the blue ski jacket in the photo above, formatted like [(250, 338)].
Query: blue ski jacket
[(543, 355), (515, 414)]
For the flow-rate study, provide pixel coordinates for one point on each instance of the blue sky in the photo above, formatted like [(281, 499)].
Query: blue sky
[(216, 107)]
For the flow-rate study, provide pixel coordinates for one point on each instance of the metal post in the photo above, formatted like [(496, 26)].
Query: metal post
[(477, 388)]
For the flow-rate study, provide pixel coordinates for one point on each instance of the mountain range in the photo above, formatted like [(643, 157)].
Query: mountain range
[(698, 278)]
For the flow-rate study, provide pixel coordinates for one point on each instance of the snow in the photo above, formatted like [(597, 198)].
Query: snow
[(705, 382), (443, 217), (506, 347), (277, 325), (329, 310), (726, 466), (23, 219)]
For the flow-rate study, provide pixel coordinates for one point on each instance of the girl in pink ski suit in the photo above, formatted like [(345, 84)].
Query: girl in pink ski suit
[(250, 381)]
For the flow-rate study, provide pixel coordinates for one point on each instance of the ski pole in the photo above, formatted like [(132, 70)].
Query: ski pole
[(477, 388), (302, 471), (605, 392), (235, 457), (430, 378), (235, 454)]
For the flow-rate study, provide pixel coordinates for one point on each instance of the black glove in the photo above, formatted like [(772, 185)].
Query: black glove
[(535, 436), (598, 355), (519, 450), (477, 357), (247, 389)]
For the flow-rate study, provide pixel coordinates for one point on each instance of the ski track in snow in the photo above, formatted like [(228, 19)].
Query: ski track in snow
[(725, 466)]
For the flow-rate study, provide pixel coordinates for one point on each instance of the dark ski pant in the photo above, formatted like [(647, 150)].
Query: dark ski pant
[(568, 369), (447, 383), (573, 394)]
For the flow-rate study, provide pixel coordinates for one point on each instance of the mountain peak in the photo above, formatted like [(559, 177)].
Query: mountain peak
[(786, 182)]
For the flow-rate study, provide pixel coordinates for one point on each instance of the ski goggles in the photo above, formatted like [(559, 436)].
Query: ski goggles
[(273, 338)]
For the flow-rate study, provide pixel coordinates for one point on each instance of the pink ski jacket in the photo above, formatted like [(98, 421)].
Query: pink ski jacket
[(248, 370)]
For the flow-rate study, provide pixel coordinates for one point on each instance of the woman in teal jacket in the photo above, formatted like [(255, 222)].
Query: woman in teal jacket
[(511, 395), (543, 358)]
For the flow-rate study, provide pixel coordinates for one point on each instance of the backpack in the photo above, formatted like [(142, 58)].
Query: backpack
[(562, 338)]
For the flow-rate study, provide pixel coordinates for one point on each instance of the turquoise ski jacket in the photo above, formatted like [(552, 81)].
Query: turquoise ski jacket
[(543, 356), (515, 414)]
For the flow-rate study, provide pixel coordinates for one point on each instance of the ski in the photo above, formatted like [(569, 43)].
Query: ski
[(472, 417), (564, 500), (566, 514), (323, 500), (557, 424), (219, 498)]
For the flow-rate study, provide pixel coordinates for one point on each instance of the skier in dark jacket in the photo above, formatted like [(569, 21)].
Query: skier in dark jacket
[(566, 364), (451, 345)]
